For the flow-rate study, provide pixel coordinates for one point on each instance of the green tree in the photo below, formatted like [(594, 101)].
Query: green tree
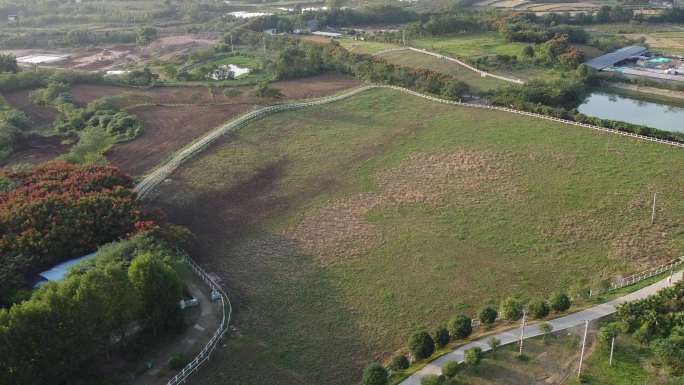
[(538, 308), (472, 356), (399, 362), (441, 336), (545, 328), (460, 326), (8, 63), (493, 343), (511, 308), (145, 35), (421, 345), (432, 379), (159, 289), (450, 369), (612, 330), (560, 302), (528, 51), (670, 352), (488, 315), (375, 374)]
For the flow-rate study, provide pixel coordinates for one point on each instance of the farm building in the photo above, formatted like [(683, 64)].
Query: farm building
[(59, 271), (613, 58)]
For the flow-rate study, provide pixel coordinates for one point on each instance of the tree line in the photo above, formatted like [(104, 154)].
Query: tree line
[(422, 344), (57, 211), (48, 338)]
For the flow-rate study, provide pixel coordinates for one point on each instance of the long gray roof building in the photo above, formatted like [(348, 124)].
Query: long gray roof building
[(609, 59)]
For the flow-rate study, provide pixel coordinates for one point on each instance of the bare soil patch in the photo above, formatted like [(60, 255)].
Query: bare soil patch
[(38, 115), (312, 87), (340, 229), (168, 129), (172, 116), (36, 149)]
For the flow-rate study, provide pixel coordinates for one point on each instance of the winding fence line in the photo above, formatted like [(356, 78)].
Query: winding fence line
[(451, 59), (153, 179), (150, 181), (226, 313)]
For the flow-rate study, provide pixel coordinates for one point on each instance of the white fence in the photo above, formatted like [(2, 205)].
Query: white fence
[(226, 312), (632, 279), (451, 59), (158, 175)]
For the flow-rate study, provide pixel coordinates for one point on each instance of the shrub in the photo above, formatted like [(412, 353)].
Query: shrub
[(460, 326), (494, 343), (441, 336), (399, 362), (374, 374), (421, 345), (546, 328), (178, 361), (538, 308), (472, 356), (264, 91), (488, 315), (432, 379), (511, 309), (232, 92), (560, 302), (450, 368)]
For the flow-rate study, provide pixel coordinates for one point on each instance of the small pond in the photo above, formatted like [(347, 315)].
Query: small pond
[(610, 106)]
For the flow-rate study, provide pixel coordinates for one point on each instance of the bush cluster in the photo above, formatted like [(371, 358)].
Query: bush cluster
[(46, 339), (58, 211)]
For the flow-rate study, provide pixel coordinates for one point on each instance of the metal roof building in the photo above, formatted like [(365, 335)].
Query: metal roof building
[(609, 59)]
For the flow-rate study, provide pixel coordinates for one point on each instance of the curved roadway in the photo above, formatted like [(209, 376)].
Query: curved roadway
[(562, 323)]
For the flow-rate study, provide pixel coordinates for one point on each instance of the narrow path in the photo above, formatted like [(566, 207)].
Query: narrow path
[(454, 60), (562, 323)]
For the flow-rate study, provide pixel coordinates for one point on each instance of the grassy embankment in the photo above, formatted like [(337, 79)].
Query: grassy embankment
[(340, 230)]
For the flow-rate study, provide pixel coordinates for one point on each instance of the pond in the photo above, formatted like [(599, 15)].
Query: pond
[(610, 106)]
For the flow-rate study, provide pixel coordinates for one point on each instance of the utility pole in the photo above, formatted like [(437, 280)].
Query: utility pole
[(232, 48), (584, 343), (522, 332), (403, 37), (653, 209), (264, 44), (612, 347)]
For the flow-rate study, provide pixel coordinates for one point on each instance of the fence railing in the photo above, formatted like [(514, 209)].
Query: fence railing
[(208, 349), (451, 59), (632, 279), (158, 175), (161, 173)]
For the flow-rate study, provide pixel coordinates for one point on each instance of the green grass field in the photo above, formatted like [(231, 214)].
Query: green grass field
[(470, 46), (367, 47), (419, 60), (340, 229), (633, 364)]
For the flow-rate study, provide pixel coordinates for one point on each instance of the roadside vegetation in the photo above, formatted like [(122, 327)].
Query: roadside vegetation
[(337, 215), (131, 290)]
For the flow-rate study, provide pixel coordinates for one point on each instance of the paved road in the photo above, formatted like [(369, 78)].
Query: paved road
[(562, 323)]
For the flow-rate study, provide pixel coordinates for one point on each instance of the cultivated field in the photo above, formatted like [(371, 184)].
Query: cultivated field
[(471, 45), (418, 60), (668, 38), (340, 229), (171, 116)]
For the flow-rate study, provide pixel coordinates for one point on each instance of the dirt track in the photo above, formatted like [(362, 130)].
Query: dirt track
[(38, 115), (172, 116), (169, 128)]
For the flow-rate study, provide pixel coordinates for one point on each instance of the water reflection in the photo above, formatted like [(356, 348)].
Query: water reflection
[(615, 107)]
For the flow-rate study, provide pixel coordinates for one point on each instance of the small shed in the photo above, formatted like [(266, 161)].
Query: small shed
[(13, 18)]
